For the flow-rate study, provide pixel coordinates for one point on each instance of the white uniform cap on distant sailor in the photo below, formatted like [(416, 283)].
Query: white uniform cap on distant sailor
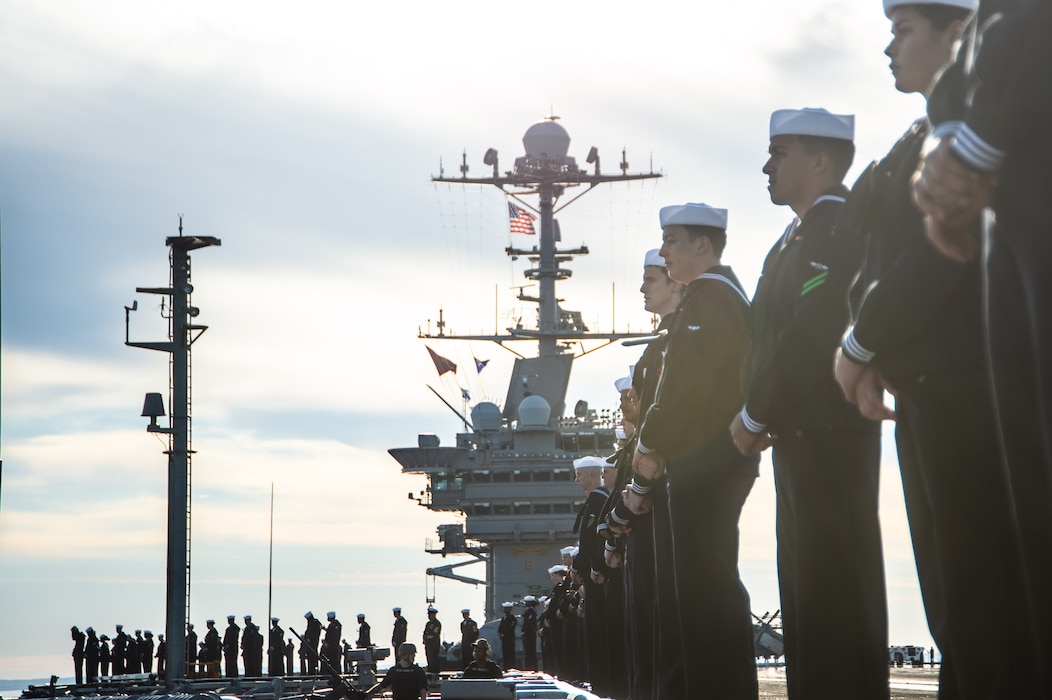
[(148, 633), (248, 618), (557, 569), (505, 605), (586, 462), (331, 614), (566, 550), (693, 214), (396, 610), (189, 625), (308, 614), (361, 616), (273, 619), (810, 121), (623, 383), (574, 551), (210, 622), (231, 617), (90, 629), (431, 609), (970, 5), (465, 611), (530, 599), (653, 258)]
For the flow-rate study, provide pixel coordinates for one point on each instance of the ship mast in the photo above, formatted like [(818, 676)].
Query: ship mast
[(182, 332)]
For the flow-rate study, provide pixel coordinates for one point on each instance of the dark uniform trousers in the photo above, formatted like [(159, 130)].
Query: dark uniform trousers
[(957, 501), (705, 499), (669, 679), (830, 564), (640, 608), (614, 595)]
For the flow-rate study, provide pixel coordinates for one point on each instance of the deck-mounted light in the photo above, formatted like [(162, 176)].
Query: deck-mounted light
[(153, 408)]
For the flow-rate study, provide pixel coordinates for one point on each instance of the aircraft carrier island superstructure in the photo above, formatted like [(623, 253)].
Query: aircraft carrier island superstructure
[(511, 472)]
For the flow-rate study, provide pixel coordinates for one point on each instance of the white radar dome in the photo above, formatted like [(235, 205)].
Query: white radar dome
[(546, 139), (534, 411)]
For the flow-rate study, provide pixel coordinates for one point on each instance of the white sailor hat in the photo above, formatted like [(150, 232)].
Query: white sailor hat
[(811, 121), (231, 617), (566, 550), (586, 462), (574, 551), (89, 629), (210, 622), (189, 625), (431, 609), (331, 614), (970, 5), (120, 627), (623, 383), (530, 599), (274, 619), (465, 611), (693, 214), (653, 258), (361, 616), (148, 633), (396, 610), (557, 569), (505, 604), (248, 618)]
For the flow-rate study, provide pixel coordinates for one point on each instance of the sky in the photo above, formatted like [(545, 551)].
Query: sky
[(305, 136)]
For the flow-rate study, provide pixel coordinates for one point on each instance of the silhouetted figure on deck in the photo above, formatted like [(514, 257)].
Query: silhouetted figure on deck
[(230, 638), (330, 648), (252, 648), (78, 653), (311, 638), (191, 649), (290, 650), (146, 652), (161, 656), (91, 655), (120, 648), (276, 649), (213, 648), (104, 655)]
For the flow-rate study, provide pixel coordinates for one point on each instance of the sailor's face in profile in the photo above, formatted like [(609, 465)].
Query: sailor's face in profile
[(679, 252), (917, 50), (786, 168), (657, 289)]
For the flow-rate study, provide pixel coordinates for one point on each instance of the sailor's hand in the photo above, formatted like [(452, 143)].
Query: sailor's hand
[(598, 578), (638, 504), (649, 465), (848, 373), (612, 558), (950, 193), (870, 395), (748, 444)]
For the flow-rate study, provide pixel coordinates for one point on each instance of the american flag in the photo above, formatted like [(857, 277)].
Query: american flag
[(521, 220)]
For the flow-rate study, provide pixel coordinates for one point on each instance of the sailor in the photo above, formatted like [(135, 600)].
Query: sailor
[(230, 638), (552, 622), (482, 666), (684, 436), (78, 653), (506, 634), (120, 647), (406, 680), (132, 662), (191, 650), (591, 561), (330, 647), (146, 652), (918, 329), (365, 639), (826, 455), (252, 648), (290, 651), (433, 640), (91, 655), (105, 655), (398, 634), (311, 639), (161, 656), (997, 154), (529, 634), (213, 646), (469, 632), (276, 649)]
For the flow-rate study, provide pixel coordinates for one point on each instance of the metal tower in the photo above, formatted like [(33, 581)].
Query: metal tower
[(182, 333)]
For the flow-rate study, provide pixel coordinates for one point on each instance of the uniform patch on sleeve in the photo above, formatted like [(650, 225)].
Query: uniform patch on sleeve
[(814, 282)]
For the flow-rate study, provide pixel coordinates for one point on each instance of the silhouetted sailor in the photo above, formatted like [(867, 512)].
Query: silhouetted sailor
[(506, 634), (432, 640), (529, 633), (120, 648), (230, 641), (91, 655), (192, 649), (290, 650), (146, 652), (161, 656), (105, 655), (398, 634), (213, 646), (252, 648), (330, 648), (365, 636), (469, 632), (311, 639), (276, 649)]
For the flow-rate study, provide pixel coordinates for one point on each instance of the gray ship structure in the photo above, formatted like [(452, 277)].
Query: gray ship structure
[(511, 472)]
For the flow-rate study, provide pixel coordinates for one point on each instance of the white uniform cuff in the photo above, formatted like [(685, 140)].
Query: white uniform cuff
[(750, 424), (854, 350)]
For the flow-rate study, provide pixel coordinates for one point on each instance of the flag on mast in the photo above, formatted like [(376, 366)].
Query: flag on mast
[(442, 364), (480, 364), (521, 220)]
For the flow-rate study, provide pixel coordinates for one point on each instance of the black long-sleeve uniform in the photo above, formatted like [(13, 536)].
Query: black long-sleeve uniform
[(699, 393), (826, 463)]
